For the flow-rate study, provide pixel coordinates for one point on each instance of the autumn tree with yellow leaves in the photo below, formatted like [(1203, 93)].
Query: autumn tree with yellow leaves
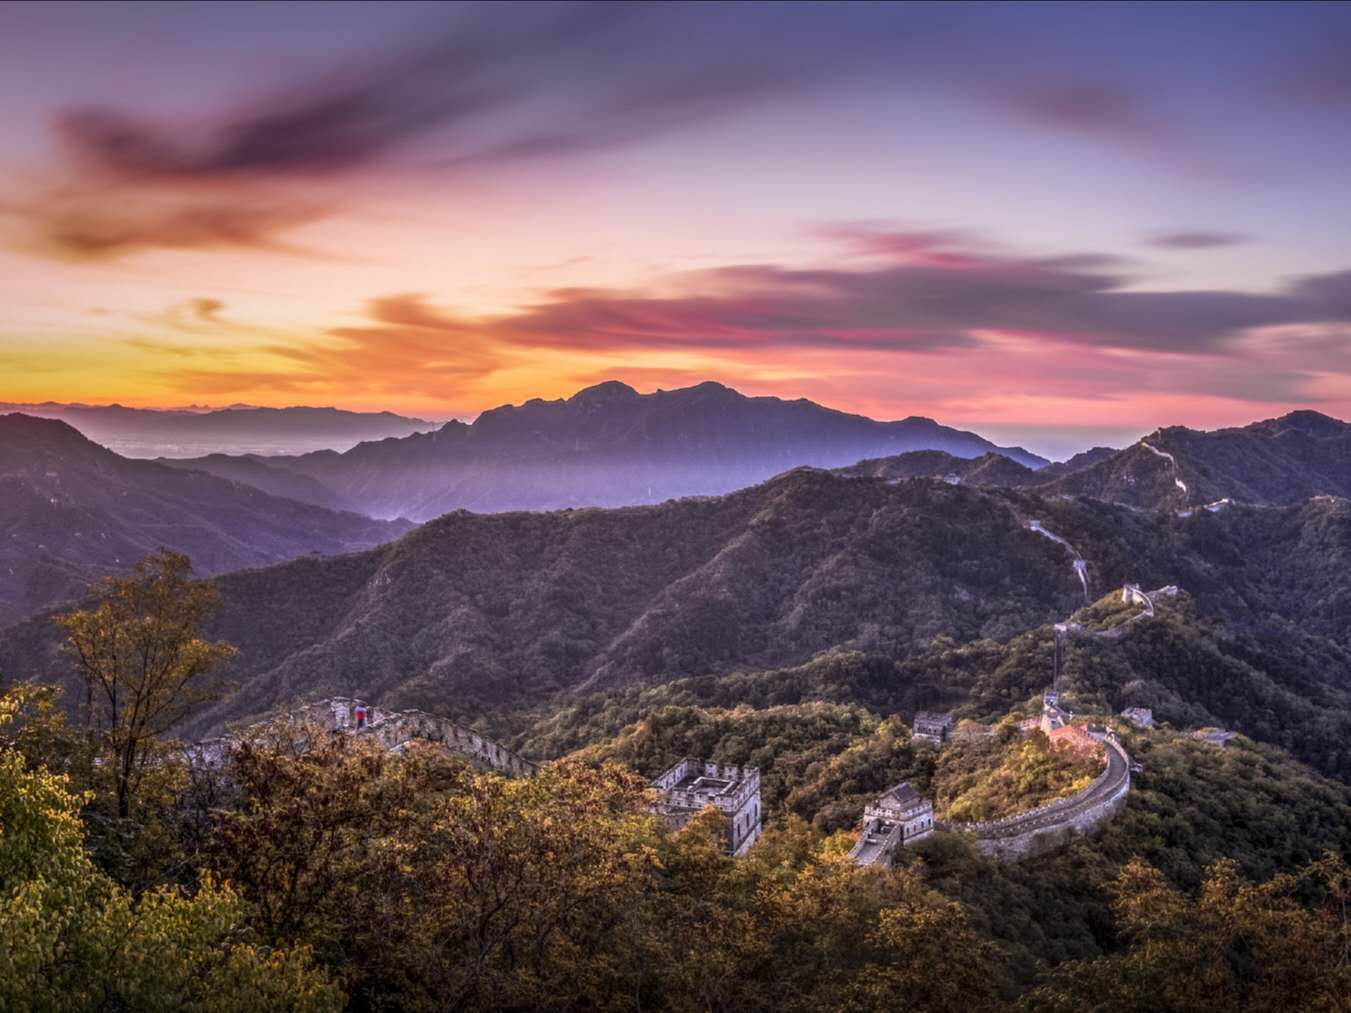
[(144, 663)]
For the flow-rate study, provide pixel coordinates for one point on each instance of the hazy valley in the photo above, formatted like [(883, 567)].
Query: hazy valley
[(240, 429), (72, 511)]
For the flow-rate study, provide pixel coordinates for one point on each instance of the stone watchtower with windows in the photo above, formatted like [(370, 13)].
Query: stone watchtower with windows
[(897, 818), (693, 785), (906, 807), (932, 726)]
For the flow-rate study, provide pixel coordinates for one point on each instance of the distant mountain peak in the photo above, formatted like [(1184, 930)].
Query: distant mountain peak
[(609, 445), (713, 387), (1308, 421), (30, 432), (609, 390)]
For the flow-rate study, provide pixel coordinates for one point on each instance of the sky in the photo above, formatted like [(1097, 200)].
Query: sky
[(1057, 224)]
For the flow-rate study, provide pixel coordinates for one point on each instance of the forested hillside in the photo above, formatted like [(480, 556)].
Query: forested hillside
[(1281, 461), (474, 616), (71, 511), (1277, 461), (342, 876), (795, 626)]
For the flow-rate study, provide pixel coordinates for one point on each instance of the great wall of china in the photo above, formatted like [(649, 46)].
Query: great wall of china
[(394, 730), (886, 827), (1051, 824), (1172, 463), (898, 818), (1047, 826)]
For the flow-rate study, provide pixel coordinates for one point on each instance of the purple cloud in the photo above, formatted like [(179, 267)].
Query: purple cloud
[(923, 296)]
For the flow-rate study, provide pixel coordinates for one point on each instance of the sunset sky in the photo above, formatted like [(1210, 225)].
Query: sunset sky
[(1054, 224)]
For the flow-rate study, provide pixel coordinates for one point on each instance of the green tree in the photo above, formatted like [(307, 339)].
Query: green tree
[(72, 939), (144, 663), (1278, 945), (305, 838), (51, 896), (520, 893), (33, 724), (169, 952), (932, 960)]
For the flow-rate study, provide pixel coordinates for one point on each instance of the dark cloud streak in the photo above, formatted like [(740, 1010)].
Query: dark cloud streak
[(508, 83), (1195, 239), (957, 306), (513, 82), (939, 303), (350, 118)]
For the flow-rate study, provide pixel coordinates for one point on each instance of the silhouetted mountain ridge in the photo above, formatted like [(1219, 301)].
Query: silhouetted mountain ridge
[(609, 445), (986, 470)]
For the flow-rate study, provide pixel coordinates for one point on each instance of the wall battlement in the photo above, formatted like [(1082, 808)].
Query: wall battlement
[(394, 730), (692, 785), (1050, 825)]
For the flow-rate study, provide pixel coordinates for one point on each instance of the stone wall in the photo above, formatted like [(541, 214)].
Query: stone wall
[(1055, 823), (1037, 840), (874, 847), (394, 730), (739, 801), (397, 729)]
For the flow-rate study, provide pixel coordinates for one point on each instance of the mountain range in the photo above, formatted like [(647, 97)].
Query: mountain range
[(479, 611), (926, 564), (608, 445), (191, 432), (1274, 462), (484, 615), (72, 511)]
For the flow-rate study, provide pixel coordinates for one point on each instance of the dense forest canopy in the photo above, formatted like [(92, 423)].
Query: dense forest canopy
[(316, 871)]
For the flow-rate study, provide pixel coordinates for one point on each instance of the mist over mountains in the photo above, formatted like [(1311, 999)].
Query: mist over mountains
[(76, 510), (608, 445), (240, 429), (72, 511)]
